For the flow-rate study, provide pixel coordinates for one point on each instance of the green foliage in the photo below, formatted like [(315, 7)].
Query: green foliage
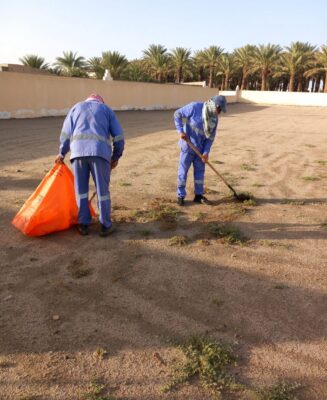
[(71, 65), (230, 235), (247, 167), (208, 361), (96, 390), (158, 212), (310, 178), (178, 241), (94, 65), (156, 61), (279, 391), (115, 62), (294, 202), (323, 225), (34, 61)]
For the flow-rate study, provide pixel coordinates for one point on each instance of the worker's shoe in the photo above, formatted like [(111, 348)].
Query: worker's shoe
[(199, 198), (180, 201), (83, 229), (104, 231)]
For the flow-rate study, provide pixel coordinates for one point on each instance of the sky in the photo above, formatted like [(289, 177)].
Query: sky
[(89, 27)]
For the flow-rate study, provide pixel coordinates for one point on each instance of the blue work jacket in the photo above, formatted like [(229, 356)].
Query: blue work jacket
[(90, 129), (188, 119)]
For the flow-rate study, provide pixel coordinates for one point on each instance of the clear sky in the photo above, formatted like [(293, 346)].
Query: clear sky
[(49, 27)]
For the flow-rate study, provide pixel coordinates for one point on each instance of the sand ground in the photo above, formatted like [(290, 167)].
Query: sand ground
[(267, 297)]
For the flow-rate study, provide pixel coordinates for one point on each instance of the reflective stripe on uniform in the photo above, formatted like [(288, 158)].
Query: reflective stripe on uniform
[(82, 196), (198, 181), (118, 138), (181, 183), (103, 198), (196, 129), (90, 136), (64, 136)]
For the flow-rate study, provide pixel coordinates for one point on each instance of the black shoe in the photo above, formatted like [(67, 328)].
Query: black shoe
[(104, 231), (180, 201), (199, 198), (83, 229)]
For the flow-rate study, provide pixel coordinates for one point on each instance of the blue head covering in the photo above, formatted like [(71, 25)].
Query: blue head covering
[(220, 101)]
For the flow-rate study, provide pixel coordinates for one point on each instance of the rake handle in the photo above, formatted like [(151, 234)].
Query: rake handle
[(196, 151)]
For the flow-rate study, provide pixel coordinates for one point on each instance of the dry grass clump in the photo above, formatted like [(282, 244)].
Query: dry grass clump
[(178, 241), (228, 234), (279, 391), (207, 361), (76, 269), (158, 212)]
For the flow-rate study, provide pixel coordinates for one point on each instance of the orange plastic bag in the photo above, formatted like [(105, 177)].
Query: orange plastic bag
[(52, 207)]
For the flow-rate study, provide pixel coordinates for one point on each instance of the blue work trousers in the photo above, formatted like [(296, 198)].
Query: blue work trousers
[(100, 171), (185, 161)]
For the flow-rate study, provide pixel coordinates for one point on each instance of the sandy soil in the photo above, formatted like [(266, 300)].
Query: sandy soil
[(268, 297)]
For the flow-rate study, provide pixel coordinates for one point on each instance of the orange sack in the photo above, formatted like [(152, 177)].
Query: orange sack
[(52, 207)]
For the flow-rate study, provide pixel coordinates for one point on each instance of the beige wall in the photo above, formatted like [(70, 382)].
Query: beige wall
[(29, 96), (284, 98)]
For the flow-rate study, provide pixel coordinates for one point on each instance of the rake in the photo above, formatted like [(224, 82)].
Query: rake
[(239, 196)]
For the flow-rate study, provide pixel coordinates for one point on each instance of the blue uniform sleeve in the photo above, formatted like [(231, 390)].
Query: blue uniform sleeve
[(208, 142), (66, 133), (117, 137), (180, 114)]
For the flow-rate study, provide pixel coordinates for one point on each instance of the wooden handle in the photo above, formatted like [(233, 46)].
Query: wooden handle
[(196, 151)]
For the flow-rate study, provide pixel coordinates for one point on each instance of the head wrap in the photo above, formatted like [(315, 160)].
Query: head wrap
[(210, 115), (95, 97)]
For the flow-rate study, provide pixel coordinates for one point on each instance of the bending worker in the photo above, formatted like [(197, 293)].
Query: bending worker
[(88, 130), (197, 123)]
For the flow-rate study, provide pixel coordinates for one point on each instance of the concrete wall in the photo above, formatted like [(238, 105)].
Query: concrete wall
[(29, 96), (283, 98)]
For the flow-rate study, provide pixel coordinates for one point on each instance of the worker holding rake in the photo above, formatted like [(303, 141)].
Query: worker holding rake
[(197, 124)]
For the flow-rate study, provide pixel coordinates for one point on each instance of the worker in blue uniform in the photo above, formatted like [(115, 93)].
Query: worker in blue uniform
[(89, 131), (197, 123)]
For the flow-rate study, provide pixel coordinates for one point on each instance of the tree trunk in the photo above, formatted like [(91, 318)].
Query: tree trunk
[(291, 84), (243, 82), (325, 83), (178, 75), (210, 76), (263, 80), (300, 84), (226, 82)]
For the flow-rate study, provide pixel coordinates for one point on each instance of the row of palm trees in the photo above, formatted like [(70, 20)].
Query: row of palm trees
[(251, 67)]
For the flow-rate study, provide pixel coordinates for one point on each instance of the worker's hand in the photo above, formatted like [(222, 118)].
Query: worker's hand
[(205, 157), (59, 159), (183, 136), (114, 164)]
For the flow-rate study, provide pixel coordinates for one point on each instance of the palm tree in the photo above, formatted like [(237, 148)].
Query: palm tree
[(34, 61), (94, 64), (320, 68), (135, 72), (199, 72), (115, 62), (227, 68), (181, 62), (266, 58), (305, 53), (71, 65), (244, 59), (156, 61), (210, 58)]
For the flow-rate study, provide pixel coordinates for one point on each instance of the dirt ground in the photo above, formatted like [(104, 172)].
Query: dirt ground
[(135, 294)]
